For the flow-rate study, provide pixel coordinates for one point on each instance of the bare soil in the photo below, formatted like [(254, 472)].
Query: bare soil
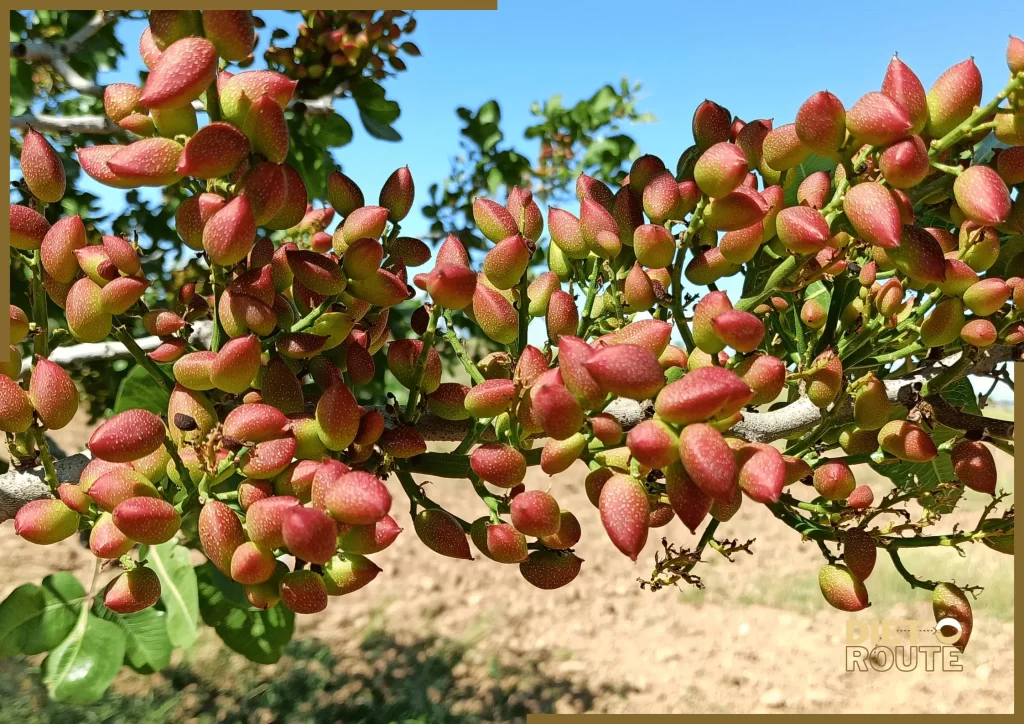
[(758, 638)]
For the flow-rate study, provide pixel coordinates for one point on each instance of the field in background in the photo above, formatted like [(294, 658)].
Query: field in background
[(437, 640)]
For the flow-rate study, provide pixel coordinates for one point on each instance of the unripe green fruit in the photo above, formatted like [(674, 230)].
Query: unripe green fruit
[(856, 441), (943, 324), (824, 384), (45, 522), (948, 601), (871, 404), (348, 573), (834, 480), (842, 589)]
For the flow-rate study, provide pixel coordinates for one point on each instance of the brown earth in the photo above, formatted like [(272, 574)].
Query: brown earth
[(758, 638)]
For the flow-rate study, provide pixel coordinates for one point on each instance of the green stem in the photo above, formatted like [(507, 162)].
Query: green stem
[(782, 272), (588, 305), (183, 474), (900, 353), (973, 120), (524, 312), (421, 365), (946, 168), (145, 362), (914, 581), (217, 332), (305, 323), (678, 315), (453, 339), (41, 342), (46, 458)]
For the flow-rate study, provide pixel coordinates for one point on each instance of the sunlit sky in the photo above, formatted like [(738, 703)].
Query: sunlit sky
[(757, 59)]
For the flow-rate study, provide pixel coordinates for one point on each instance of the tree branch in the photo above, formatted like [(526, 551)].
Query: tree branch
[(62, 125), (200, 338)]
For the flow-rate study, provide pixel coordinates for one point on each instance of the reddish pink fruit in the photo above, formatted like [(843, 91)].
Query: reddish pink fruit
[(451, 285), (562, 316), (231, 31), (558, 455), (236, 364), (149, 162), (567, 234), (304, 591), (255, 423), (356, 498), (974, 466), (903, 86), (740, 330), (834, 480), (41, 168), (878, 120), (688, 501), (185, 69), (821, 123), (549, 570), (905, 163), (703, 394), (57, 249), (573, 354), (401, 442), (535, 513), (873, 213), (861, 497), (74, 497), (45, 522), (147, 520), (121, 100), (106, 541), (295, 199), (264, 518), (803, 230), (309, 534), (626, 370), (719, 170), (338, 417), (824, 384), (525, 212), (252, 564), (953, 97), (116, 485), (815, 190), (53, 394), (442, 533), (132, 591), (83, 308), (738, 210), (559, 413), (215, 150), (653, 444), (127, 436), (762, 472), (653, 245), (267, 129), (982, 196), (708, 460), (192, 216), (498, 464), (711, 125), (269, 458), (397, 194), (28, 227), (231, 232), (624, 510), (220, 534), (490, 398), (369, 539)]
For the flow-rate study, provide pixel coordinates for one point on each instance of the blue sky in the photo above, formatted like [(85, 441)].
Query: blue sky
[(758, 59)]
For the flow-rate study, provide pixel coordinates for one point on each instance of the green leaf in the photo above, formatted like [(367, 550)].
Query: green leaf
[(334, 131), (377, 129), (179, 593), (85, 663), (34, 619), (139, 389), (961, 394), (258, 635), (148, 643)]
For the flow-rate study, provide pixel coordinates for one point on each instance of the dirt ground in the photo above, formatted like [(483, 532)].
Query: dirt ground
[(759, 638)]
